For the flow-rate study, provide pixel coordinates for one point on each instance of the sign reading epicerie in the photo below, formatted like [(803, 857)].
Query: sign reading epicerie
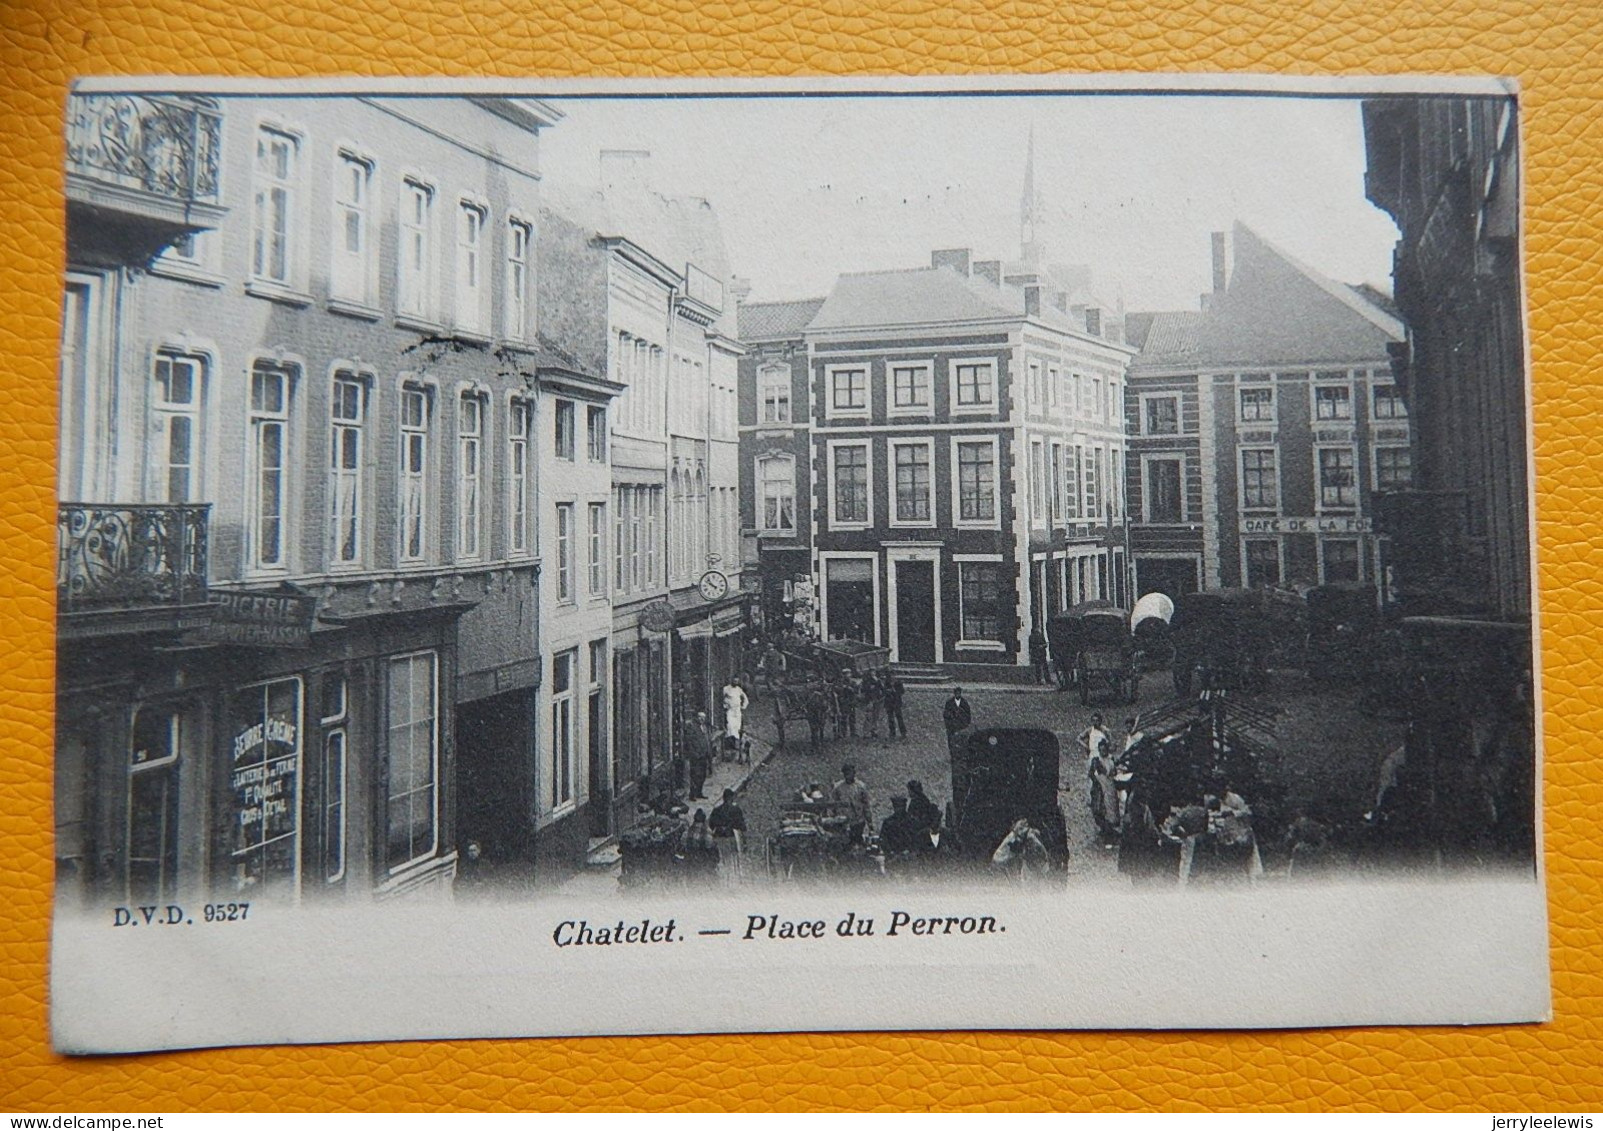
[(1324, 525)]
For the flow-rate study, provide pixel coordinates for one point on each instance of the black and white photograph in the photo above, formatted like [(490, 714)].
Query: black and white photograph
[(669, 557)]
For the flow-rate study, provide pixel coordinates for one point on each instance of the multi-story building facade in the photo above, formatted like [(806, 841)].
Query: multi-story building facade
[(299, 540), (641, 280), (963, 432), (1261, 427), (776, 481), (1459, 544), (1447, 171)]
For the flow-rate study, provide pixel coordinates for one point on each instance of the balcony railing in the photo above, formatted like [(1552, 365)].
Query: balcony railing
[(111, 557), (161, 145)]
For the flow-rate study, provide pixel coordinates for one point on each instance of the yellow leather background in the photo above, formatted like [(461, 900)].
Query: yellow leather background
[(1555, 49)]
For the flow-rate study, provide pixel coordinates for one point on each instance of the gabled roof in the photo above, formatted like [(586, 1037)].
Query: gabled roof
[(776, 319), (1276, 310)]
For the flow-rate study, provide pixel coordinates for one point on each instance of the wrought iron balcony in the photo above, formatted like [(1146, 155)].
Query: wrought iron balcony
[(113, 558), (142, 169)]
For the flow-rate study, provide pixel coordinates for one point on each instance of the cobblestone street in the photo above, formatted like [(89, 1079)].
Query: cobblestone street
[(1330, 748)]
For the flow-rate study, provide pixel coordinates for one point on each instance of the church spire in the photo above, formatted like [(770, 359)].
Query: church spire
[(1030, 247)]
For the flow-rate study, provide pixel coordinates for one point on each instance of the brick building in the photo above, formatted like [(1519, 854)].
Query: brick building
[(299, 611), (963, 432), (1261, 426), (776, 483)]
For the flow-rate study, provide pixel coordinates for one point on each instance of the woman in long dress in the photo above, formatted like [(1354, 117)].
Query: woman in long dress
[(1104, 793), (735, 702)]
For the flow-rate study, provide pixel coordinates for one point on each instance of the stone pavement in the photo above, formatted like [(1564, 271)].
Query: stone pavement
[(600, 876)]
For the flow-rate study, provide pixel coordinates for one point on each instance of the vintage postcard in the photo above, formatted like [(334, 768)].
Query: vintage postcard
[(590, 557)]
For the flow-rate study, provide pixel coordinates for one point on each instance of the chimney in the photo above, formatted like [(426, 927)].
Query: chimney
[(1221, 261), (954, 257), (1060, 299), (1032, 301), (625, 171), (1093, 321), (990, 270), (739, 289)]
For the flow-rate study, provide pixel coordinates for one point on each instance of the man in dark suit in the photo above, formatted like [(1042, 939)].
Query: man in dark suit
[(698, 755), (957, 716)]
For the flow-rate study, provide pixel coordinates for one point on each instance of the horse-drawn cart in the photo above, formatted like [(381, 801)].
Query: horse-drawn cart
[(813, 838), (815, 678), (1094, 646)]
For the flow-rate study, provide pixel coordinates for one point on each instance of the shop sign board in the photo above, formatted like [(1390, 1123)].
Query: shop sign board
[(281, 618), (1320, 525)]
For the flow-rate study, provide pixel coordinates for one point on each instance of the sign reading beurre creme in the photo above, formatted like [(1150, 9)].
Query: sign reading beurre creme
[(281, 618)]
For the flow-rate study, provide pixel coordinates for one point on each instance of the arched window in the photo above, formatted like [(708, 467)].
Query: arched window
[(676, 523)]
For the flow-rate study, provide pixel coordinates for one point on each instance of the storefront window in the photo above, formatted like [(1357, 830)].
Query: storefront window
[(152, 847), (265, 743), (411, 800)]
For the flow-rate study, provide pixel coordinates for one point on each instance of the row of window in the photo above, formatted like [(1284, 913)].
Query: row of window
[(1090, 397), (281, 209), (1263, 561), (1335, 471), (986, 590), (976, 498), (279, 238), (971, 383), (1332, 404), (1073, 482), (274, 466), (704, 524)]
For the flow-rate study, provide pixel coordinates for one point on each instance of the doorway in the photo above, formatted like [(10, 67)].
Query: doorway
[(915, 611), (1170, 576), (849, 599)]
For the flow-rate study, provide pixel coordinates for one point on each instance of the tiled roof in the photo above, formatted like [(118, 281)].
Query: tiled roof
[(776, 319), (1169, 337)]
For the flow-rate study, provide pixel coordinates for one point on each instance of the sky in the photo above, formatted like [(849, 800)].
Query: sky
[(807, 188)]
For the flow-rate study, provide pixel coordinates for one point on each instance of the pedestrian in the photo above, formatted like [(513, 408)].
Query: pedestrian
[(924, 813), (874, 701), (1038, 655), (728, 824), (735, 704), (893, 692), (898, 834), (1092, 737), (1102, 792), (1022, 853), (697, 849), (957, 716), (851, 796), (847, 704), (698, 755)]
